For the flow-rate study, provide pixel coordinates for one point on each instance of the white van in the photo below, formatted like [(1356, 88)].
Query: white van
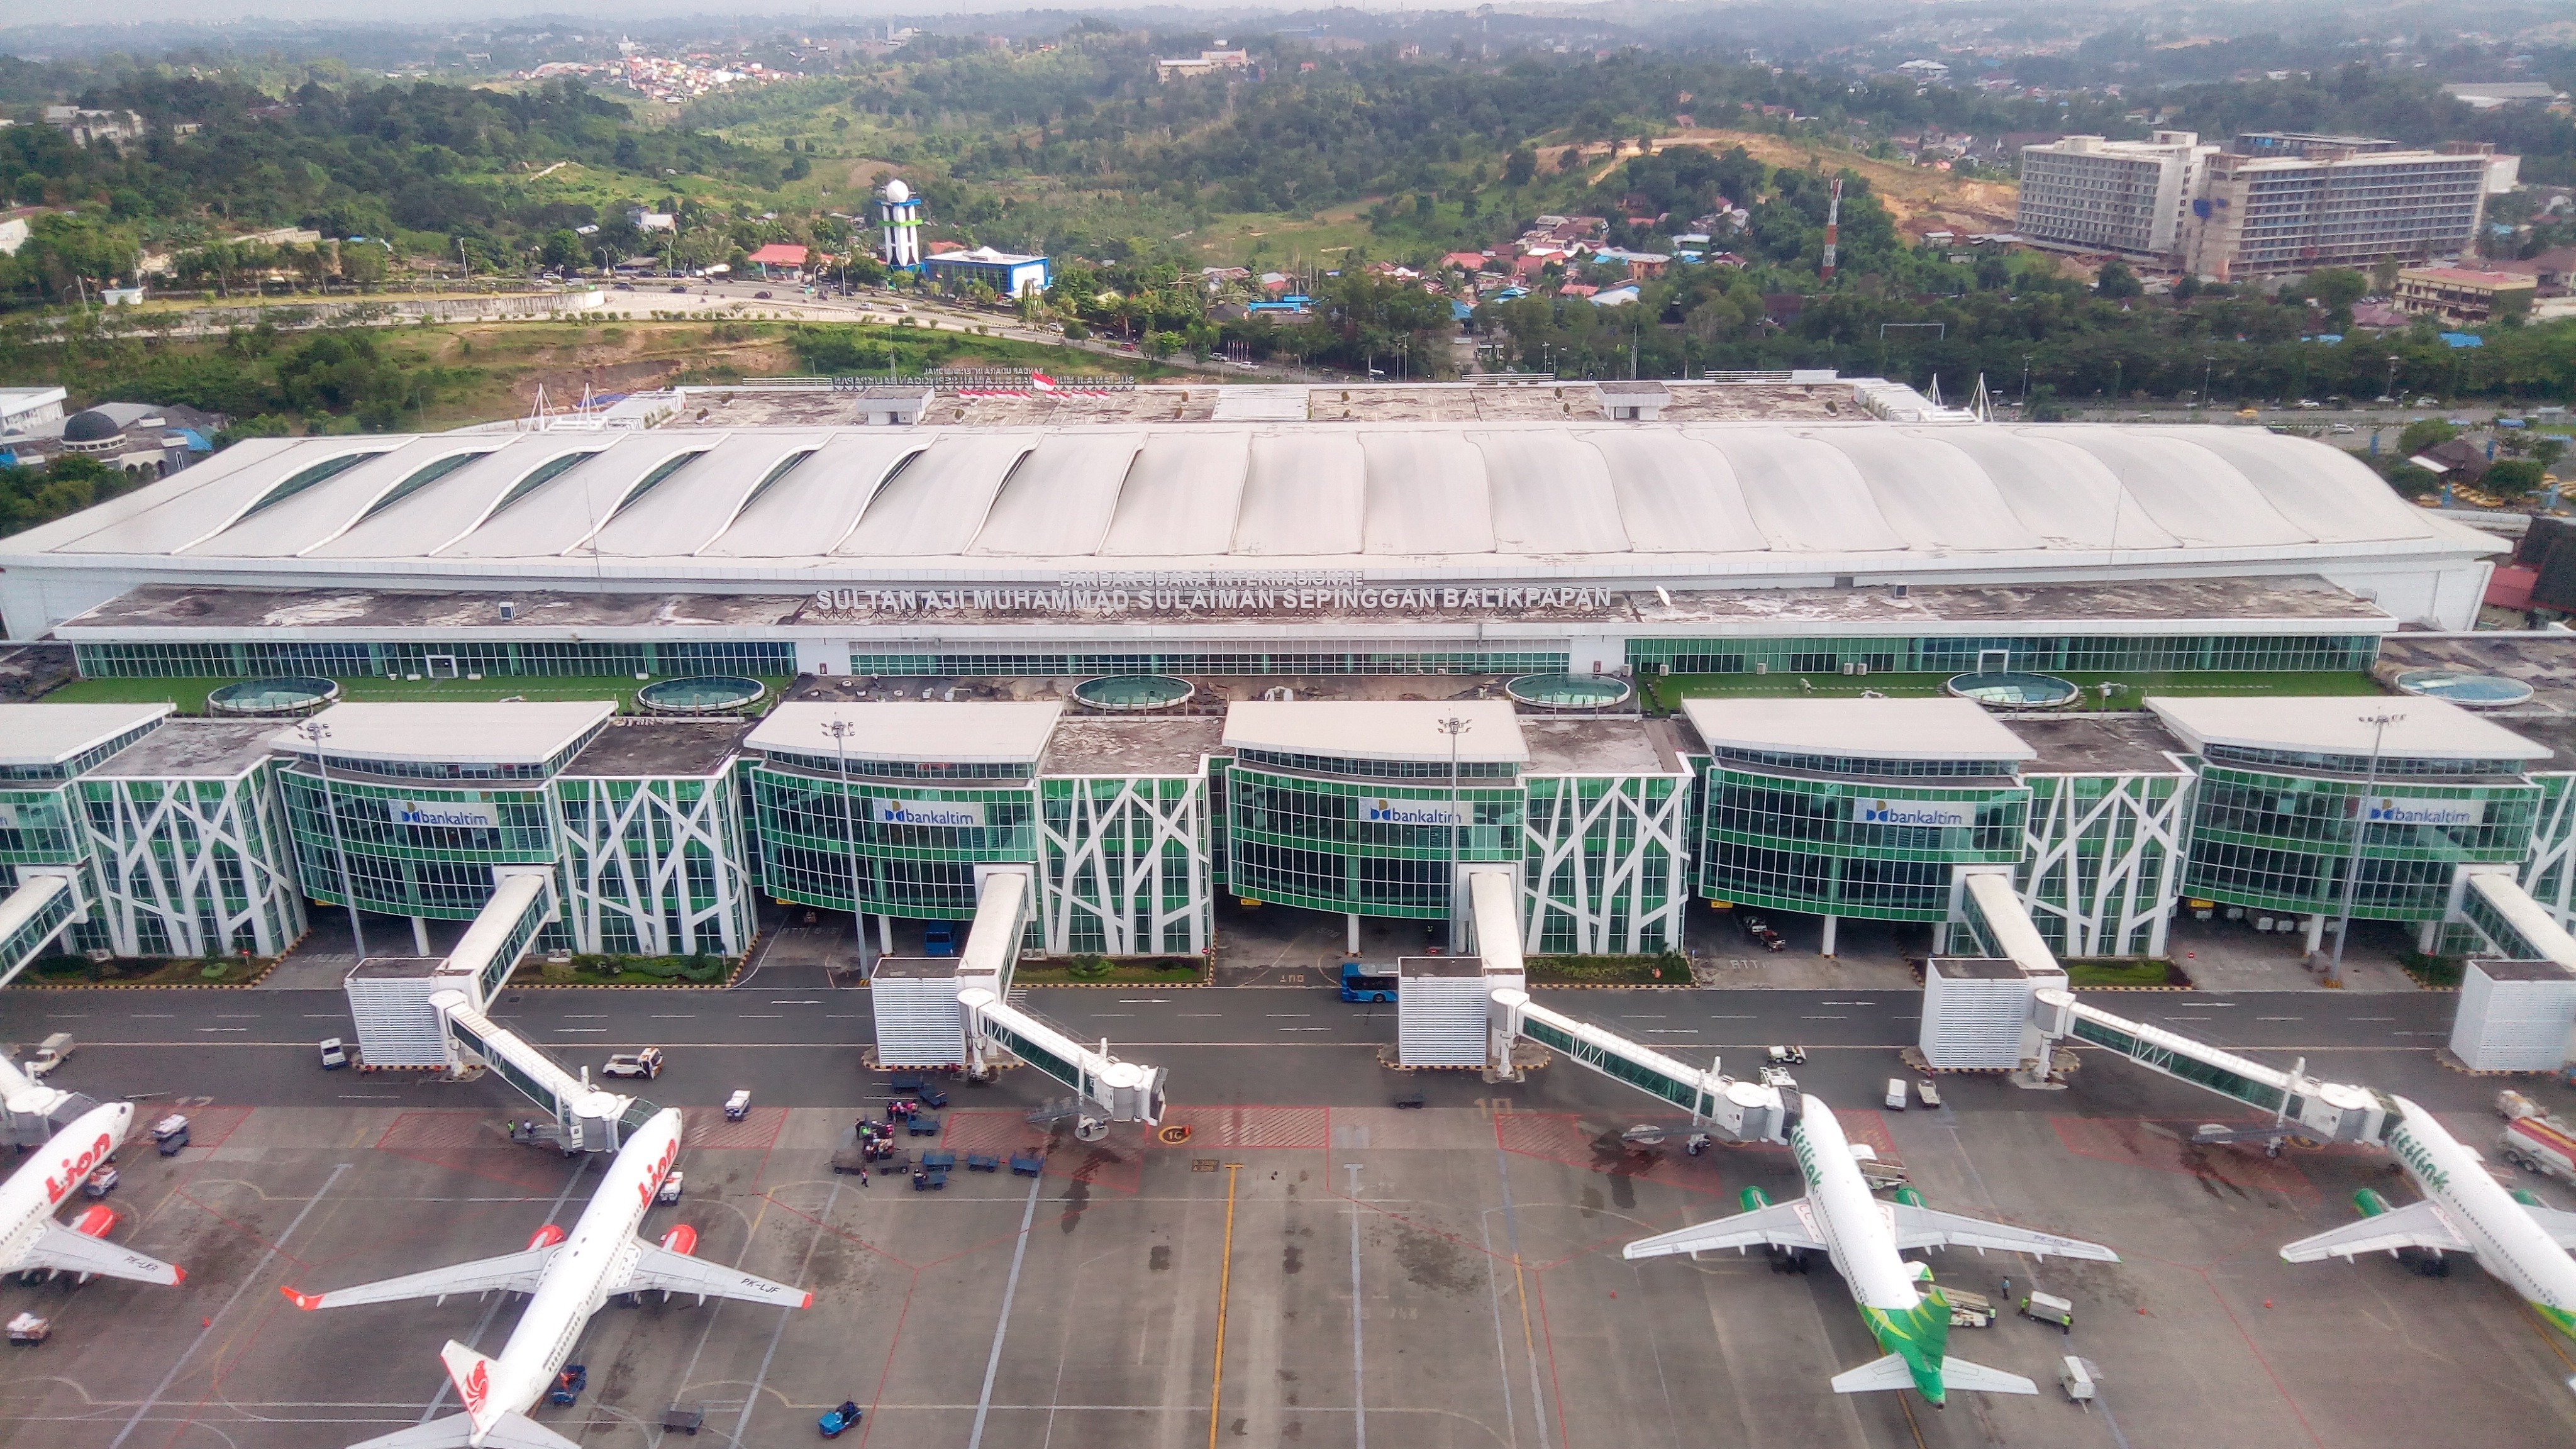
[(1896, 1094)]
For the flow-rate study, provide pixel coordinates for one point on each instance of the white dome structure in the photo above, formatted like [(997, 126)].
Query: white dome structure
[(896, 191)]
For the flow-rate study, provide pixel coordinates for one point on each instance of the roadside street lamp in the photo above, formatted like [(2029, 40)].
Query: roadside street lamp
[(1454, 727), (315, 732), (839, 730), (2379, 724)]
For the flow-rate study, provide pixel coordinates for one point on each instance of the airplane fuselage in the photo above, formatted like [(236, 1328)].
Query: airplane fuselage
[(53, 1175), (597, 1252), (1859, 1235), (2504, 1238)]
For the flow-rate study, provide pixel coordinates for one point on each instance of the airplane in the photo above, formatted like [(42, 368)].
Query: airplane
[(1861, 1236), (567, 1277), (2463, 1210), (30, 1239)]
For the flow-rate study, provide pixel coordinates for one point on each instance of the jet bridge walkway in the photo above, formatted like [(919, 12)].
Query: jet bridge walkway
[(46, 903), (1738, 1111), (951, 1012), (583, 1117)]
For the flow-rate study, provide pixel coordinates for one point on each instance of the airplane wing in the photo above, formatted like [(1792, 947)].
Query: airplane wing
[(517, 1272), (2415, 1225), (1877, 1375), (658, 1267), (2557, 1222), (1782, 1224), (1958, 1373), (511, 1431), (60, 1247), (1924, 1228)]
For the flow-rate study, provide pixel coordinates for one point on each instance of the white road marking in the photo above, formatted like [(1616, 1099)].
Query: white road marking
[(223, 1028)]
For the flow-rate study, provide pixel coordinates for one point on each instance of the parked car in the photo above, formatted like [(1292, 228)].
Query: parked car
[(680, 289), (760, 296)]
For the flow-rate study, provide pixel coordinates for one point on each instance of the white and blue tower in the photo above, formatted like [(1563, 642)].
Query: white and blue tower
[(899, 217)]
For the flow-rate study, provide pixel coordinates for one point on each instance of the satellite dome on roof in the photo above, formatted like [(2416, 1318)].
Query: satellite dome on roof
[(895, 190), (93, 426)]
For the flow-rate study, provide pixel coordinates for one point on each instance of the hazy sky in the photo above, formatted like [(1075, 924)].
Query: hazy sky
[(601, 13)]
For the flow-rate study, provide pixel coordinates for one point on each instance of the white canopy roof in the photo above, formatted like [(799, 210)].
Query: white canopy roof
[(525, 732), (968, 732), (1378, 729), (2418, 728), (1866, 729), (37, 735), (1741, 499)]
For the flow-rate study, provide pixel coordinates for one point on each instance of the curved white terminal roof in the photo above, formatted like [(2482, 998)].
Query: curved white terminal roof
[(1495, 500)]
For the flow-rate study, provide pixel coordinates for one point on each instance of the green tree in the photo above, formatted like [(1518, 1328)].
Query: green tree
[(2512, 478), (2423, 434), (2115, 282), (1520, 166)]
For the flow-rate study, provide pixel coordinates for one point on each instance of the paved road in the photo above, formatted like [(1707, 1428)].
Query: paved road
[(786, 1038)]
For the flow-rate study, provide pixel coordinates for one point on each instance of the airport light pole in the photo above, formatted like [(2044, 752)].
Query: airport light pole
[(2379, 724), (1454, 726), (315, 732), (839, 730)]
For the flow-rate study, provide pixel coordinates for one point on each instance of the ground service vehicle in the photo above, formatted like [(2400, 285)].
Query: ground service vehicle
[(1969, 1310), (836, 1422), (2048, 1308), (1361, 984), (939, 938), (569, 1384), (30, 1330), (1931, 1094), (55, 1050), (335, 1054), (738, 1106), (2541, 1145), (1896, 1094), (1788, 1056), (646, 1063)]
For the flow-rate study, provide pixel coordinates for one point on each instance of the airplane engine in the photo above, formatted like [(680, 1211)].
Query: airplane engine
[(682, 1239), (95, 1220), (545, 1237)]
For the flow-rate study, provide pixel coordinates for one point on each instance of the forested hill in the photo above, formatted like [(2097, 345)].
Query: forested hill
[(349, 161)]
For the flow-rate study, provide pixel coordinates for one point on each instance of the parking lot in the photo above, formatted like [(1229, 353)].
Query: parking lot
[(1442, 1277)]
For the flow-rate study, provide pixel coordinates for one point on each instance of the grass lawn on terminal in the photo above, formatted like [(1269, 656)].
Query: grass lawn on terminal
[(1668, 692), (190, 694)]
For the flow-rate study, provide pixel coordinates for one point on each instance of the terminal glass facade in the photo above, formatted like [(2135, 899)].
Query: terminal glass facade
[(2274, 840), (656, 866), (193, 866), (1362, 845), (438, 872), (2046, 654), (922, 871), (1839, 845), (433, 660)]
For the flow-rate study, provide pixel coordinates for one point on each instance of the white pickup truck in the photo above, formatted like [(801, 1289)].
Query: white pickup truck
[(51, 1053)]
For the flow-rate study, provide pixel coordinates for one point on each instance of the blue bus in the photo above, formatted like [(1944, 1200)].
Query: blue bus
[(1359, 983)]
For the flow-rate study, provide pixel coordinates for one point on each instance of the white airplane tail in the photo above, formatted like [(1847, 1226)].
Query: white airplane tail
[(473, 1375)]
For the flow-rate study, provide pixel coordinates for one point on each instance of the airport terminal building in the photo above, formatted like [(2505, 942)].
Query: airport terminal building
[(208, 837), (1505, 529), (1341, 597)]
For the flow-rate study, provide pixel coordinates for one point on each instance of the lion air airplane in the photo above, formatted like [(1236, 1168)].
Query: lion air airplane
[(29, 1236), (568, 1276)]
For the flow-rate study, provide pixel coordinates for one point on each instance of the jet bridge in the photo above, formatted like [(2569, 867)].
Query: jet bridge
[(2017, 1002), (958, 1012), (420, 1013), (1737, 1111), (46, 903), (30, 1111)]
